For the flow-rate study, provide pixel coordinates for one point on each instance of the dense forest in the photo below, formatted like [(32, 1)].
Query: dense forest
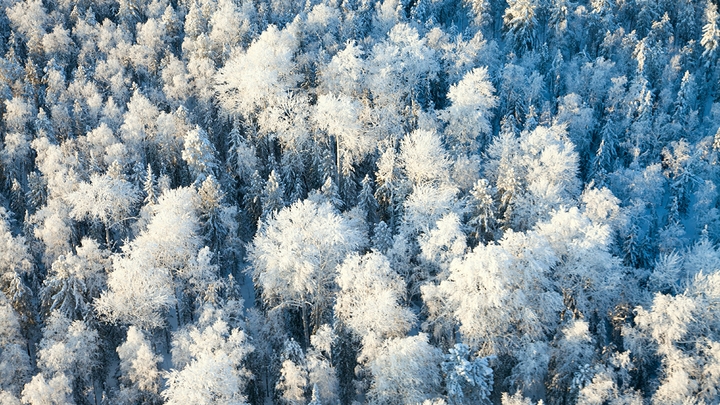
[(432, 202)]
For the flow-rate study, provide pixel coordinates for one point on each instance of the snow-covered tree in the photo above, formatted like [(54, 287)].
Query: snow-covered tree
[(711, 32), (339, 116), (370, 297), (216, 217), (322, 375), (345, 73), (424, 158), (199, 154), (29, 19), (295, 255), (15, 262), (208, 365), (572, 355), (14, 360), (534, 174), (467, 379), (587, 273), (68, 352), (482, 210), (230, 25), (138, 365), (400, 71), (687, 369), (152, 262), (468, 117), (293, 382), (54, 391), (139, 125), (489, 292), (254, 78), (75, 280), (272, 198), (515, 399), (106, 198), (445, 242), (520, 20), (406, 370)]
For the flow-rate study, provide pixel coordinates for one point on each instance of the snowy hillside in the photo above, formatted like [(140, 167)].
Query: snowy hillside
[(433, 202)]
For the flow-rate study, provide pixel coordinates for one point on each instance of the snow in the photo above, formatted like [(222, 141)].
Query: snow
[(437, 202)]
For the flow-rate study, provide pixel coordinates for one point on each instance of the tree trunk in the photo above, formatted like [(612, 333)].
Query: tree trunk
[(306, 329), (167, 339), (337, 162), (107, 236)]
